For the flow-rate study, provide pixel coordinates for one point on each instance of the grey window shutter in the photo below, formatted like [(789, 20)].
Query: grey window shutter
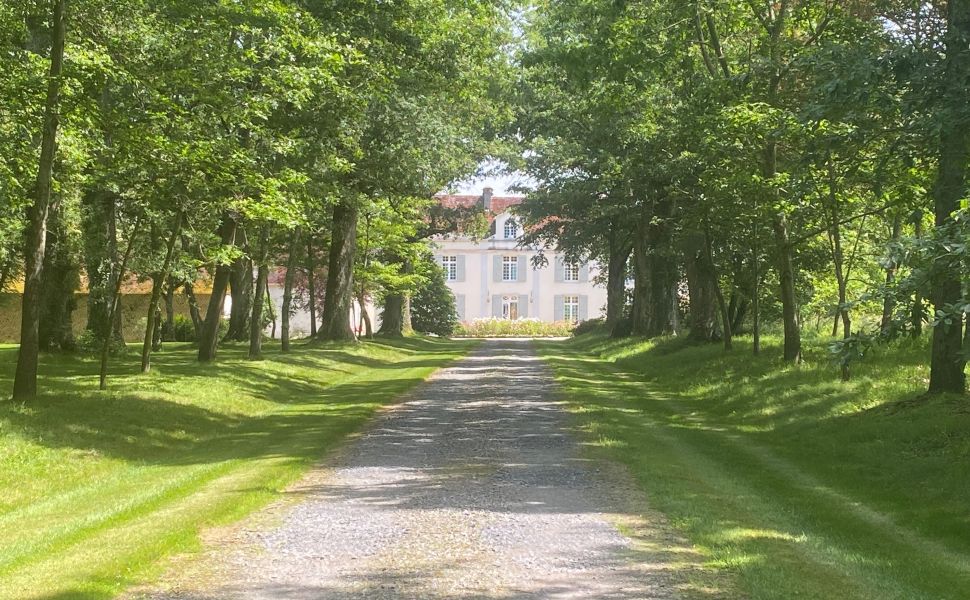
[(523, 268), (460, 306), (524, 306), (560, 270), (461, 268), (584, 308), (497, 306), (559, 312), (497, 268), (584, 273)]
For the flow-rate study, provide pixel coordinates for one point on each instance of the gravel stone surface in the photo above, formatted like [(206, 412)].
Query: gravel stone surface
[(473, 487)]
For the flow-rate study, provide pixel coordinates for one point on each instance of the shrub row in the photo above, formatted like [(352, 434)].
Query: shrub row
[(494, 327)]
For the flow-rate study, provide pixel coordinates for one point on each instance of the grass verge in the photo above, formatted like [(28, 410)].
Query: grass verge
[(98, 487), (801, 485)]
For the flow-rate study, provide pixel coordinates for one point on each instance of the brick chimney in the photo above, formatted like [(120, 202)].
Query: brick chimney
[(487, 198)]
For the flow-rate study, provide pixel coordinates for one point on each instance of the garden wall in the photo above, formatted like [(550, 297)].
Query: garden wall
[(134, 310)]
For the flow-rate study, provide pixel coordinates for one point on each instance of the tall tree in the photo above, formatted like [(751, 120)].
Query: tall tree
[(25, 379), (947, 362)]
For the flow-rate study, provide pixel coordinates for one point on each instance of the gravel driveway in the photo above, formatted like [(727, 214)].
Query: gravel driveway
[(473, 487)]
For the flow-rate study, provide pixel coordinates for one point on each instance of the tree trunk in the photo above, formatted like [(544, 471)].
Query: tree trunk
[(291, 265), (100, 260), (364, 317), (25, 378), (116, 302), (655, 272), (209, 340), (154, 314), (339, 295), (789, 308), (734, 303), (256, 323), (916, 311), (99, 227), (194, 312), (616, 277), (663, 272), (259, 297), (640, 314), (786, 271), (168, 327), (756, 306), (726, 325), (392, 318), (700, 285), (396, 318), (157, 329), (739, 314), (947, 362), (408, 326), (188, 289), (241, 290), (61, 280), (888, 304), (271, 311), (311, 284), (838, 260)]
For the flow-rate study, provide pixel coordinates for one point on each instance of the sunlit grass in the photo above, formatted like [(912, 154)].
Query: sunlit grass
[(799, 484), (98, 487)]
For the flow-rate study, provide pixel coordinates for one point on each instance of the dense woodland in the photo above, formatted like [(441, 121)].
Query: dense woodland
[(743, 162), (800, 162), (180, 140)]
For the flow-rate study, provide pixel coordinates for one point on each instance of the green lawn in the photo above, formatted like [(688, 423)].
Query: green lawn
[(802, 486), (97, 487)]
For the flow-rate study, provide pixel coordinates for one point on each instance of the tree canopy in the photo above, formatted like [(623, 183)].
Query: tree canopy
[(759, 160), (732, 164)]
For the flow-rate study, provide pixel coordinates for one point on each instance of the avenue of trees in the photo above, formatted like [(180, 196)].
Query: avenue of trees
[(794, 161), (741, 161), (175, 141)]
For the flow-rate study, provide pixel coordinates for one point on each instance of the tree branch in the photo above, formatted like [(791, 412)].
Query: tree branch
[(862, 215), (698, 28), (718, 48)]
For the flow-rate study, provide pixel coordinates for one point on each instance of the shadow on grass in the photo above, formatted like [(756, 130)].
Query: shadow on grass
[(157, 431), (793, 477), (507, 434), (142, 419)]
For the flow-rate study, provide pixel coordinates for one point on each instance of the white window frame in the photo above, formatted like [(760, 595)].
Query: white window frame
[(570, 272), (450, 265), (510, 307), (510, 268), (570, 309), (511, 229)]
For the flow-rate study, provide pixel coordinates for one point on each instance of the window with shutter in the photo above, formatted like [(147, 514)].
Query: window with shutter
[(570, 272), (510, 307), (510, 268), (450, 265), (570, 309)]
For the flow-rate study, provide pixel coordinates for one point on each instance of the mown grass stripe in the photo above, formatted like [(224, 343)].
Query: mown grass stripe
[(110, 484), (787, 530), (43, 541)]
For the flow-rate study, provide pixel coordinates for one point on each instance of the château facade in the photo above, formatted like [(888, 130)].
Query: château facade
[(494, 277)]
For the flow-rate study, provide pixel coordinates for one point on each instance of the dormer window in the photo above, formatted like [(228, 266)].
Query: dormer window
[(511, 229)]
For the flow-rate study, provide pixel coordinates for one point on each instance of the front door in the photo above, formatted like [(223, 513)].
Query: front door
[(510, 307)]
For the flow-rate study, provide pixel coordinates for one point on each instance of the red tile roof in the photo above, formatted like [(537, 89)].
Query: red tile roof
[(498, 204)]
